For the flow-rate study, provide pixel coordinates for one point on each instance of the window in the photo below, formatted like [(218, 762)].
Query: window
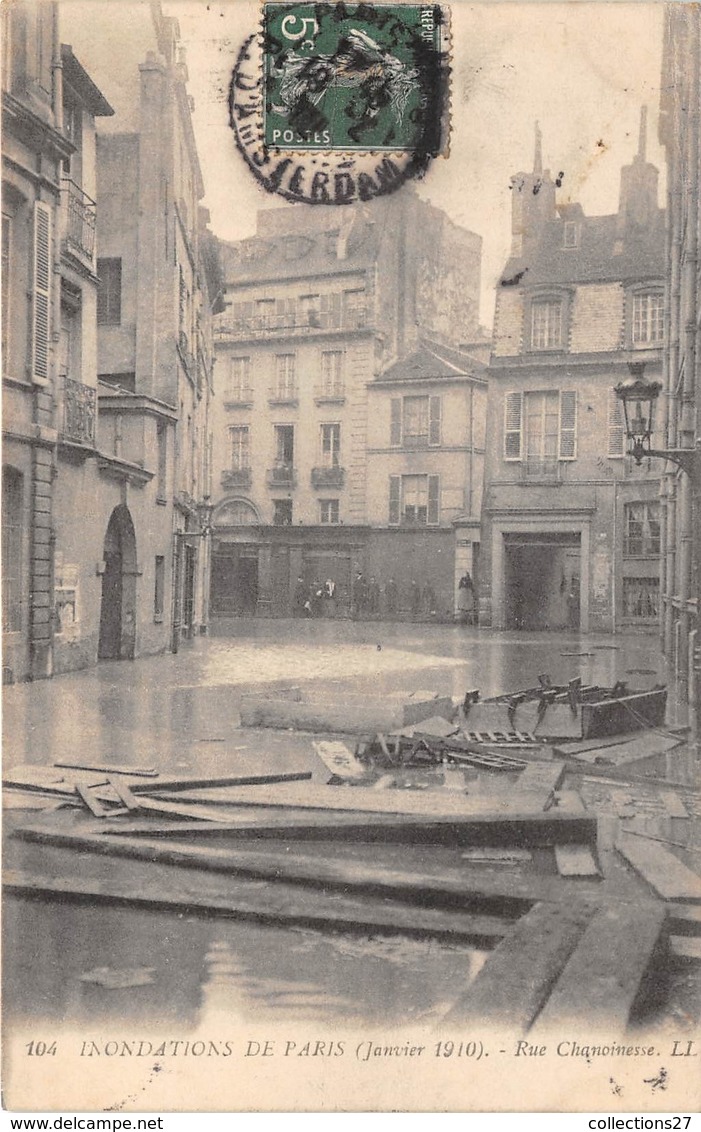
[(332, 372), (330, 445), (284, 375), (282, 512), (69, 342), (648, 318), (641, 597), (265, 313), (159, 587), (353, 308), (616, 427), (239, 378), (310, 310), (642, 529), (284, 445), (546, 324), (330, 307), (240, 448), (415, 422), (540, 427), (328, 511), (162, 470), (109, 291), (414, 501), (570, 235), (12, 482)]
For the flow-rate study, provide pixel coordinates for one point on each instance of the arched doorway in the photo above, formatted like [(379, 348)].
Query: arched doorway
[(118, 606)]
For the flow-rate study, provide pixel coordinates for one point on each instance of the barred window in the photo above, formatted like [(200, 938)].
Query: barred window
[(641, 597)]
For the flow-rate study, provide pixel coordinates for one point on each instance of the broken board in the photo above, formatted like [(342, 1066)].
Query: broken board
[(662, 870)]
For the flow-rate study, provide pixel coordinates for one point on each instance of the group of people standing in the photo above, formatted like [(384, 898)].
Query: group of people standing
[(369, 598)]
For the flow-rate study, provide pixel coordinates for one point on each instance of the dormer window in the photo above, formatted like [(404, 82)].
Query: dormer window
[(546, 324), (570, 234)]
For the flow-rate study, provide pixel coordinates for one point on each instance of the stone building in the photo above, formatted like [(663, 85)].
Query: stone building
[(327, 313), (108, 283), (157, 286), (49, 297), (679, 416), (571, 528)]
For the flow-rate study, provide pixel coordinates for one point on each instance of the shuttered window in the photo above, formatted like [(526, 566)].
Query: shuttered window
[(395, 426), (433, 514), (109, 293), (41, 321), (512, 426), (568, 424), (616, 427), (434, 421), (395, 491)]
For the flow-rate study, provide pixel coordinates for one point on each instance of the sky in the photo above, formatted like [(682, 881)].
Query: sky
[(582, 70)]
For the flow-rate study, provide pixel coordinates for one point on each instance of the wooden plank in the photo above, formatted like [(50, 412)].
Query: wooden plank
[(90, 801), (544, 829), (674, 805), (576, 861), (544, 776), (685, 948), (605, 972), (275, 902), (639, 745), (684, 919), (133, 771), (514, 983), (434, 803), (338, 759), (183, 782), (202, 815), (124, 794), (473, 888), (664, 872)]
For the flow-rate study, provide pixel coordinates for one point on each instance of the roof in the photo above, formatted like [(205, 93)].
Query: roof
[(604, 253), (77, 77), (430, 362)]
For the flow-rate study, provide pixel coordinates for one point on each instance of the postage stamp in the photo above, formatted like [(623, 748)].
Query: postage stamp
[(352, 77)]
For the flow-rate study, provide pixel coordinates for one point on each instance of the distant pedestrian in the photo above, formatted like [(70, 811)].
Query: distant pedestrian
[(300, 596), (428, 599), (360, 595), (466, 599), (373, 597), (414, 597)]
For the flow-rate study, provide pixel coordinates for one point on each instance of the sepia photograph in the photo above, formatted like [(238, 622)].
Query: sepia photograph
[(351, 557)]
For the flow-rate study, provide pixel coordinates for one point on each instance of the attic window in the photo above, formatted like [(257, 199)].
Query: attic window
[(570, 235)]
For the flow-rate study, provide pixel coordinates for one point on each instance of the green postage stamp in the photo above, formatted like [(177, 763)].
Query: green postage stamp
[(349, 77)]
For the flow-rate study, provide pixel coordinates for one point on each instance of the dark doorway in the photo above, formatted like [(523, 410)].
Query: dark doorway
[(189, 591), (542, 581), (235, 580), (118, 605)]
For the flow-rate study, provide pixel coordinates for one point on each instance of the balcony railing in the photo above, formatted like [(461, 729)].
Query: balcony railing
[(81, 218), (282, 475), (79, 405), (536, 470), (328, 477), (330, 391), (236, 477), (283, 394), (266, 326), (239, 396)]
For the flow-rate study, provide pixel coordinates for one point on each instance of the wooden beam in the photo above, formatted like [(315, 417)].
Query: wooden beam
[(465, 888), (90, 801), (605, 972), (576, 861), (545, 829), (515, 982), (132, 771), (662, 870), (273, 902)]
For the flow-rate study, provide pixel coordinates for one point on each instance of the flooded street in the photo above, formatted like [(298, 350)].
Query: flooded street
[(82, 962)]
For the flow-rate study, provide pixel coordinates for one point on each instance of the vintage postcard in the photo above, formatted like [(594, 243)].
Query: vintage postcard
[(350, 557)]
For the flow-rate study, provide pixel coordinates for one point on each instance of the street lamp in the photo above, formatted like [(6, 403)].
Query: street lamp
[(638, 397)]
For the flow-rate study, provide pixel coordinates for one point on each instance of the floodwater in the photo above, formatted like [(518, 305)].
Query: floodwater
[(75, 962)]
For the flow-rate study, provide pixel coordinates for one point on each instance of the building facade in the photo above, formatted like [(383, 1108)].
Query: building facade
[(571, 528), (109, 278), (679, 423), (323, 309)]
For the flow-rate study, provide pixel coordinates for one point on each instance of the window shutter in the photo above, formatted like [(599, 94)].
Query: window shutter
[(42, 292), (568, 424), (395, 489), (434, 421), (395, 424), (434, 488), (617, 432), (512, 426)]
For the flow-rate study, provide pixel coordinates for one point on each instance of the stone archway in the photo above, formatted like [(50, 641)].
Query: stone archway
[(118, 605)]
